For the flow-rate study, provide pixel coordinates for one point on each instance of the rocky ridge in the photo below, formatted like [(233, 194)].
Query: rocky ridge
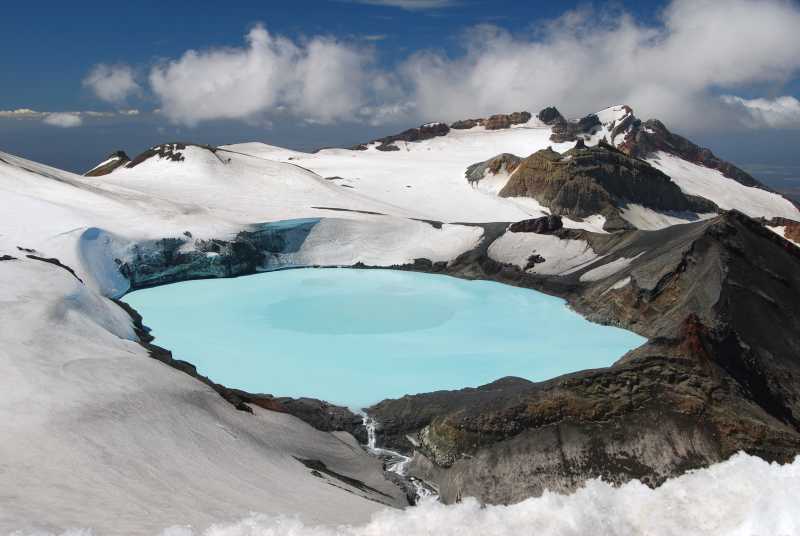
[(719, 373), (433, 130), (641, 139), (115, 160)]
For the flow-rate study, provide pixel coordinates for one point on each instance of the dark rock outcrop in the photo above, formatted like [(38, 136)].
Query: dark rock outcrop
[(115, 160), (325, 416), (564, 131), (503, 162), (168, 151), (424, 132), (718, 300), (544, 225), (550, 116), (495, 122), (466, 124), (597, 180), (500, 121), (642, 139), (791, 228)]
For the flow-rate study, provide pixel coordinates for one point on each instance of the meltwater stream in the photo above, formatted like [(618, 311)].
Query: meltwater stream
[(355, 337), (397, 463)]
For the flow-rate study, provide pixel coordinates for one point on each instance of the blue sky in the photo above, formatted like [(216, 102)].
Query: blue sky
[(724, 72)]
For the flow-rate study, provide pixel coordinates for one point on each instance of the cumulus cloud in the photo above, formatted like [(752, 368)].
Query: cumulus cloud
[(781, 112), (112, 83), (63, 119), (583, 61), (320, 79)]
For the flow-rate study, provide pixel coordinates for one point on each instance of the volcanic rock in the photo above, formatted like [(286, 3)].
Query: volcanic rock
[(550, 116), (791, 228), (544, 225), (597, 180), (564, 131), (115, 160), (172, 152), (500, 121), (503, 162), (424, 132), (646, 138), (719, 374), (466, 124)]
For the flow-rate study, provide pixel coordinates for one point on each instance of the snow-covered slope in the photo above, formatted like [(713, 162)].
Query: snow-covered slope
[(428, 176), (726, 193), (96, 433), (88, 418)]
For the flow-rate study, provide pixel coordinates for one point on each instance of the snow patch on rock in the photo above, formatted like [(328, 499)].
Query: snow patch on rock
[(561, 256)]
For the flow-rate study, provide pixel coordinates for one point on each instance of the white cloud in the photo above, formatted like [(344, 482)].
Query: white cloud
[(781, 112), (112, 83), (93, 113), (581, 62), (587, 60), (321, 79), (63, 119), (411, 5), (21, 113)]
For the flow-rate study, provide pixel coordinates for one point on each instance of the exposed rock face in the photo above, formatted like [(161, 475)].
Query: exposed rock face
[(503, 162), (495, 122), (114, 160), (466, 124), (500, 121), (564, 131), (550, 116), (433, 130), (720, 374), (424, 132), (324, 416), (168, 151), (168, 260), (791, 228), (642, 139), (597, 180), (544, 225), (646, 138)]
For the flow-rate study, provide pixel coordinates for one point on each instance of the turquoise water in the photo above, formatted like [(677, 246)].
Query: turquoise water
[(355, 337)]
